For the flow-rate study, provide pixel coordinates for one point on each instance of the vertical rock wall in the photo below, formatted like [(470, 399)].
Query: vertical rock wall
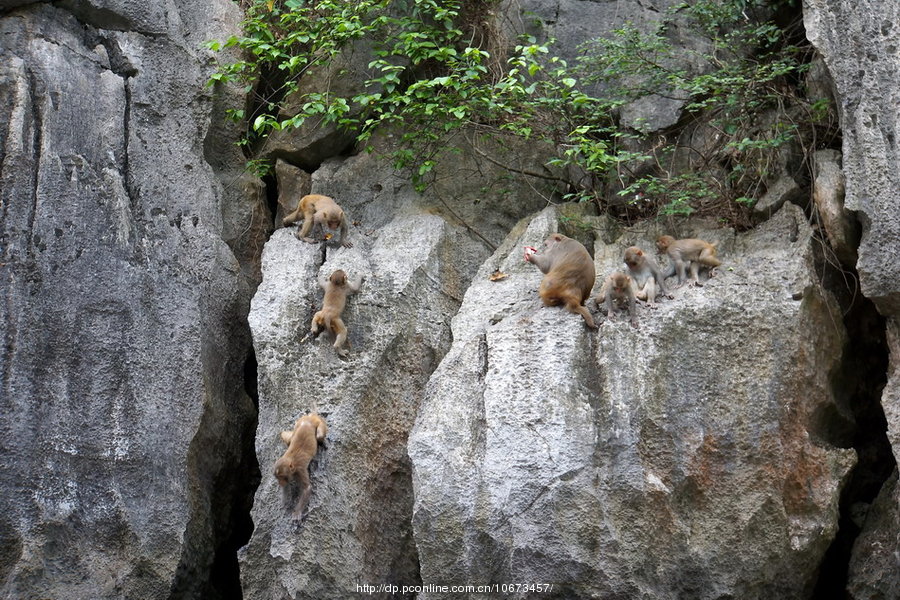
[(860, 43), (122, 317)]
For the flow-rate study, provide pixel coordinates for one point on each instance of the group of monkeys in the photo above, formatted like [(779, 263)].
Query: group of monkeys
[(569, 276)]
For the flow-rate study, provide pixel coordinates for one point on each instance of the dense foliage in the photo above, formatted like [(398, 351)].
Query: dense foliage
[(439, 68)]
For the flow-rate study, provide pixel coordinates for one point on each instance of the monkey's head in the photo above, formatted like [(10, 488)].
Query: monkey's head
[(334, 218), (663, 243), (634, 256), (620, 282), (338, 277), (553, 240), (283, 471)]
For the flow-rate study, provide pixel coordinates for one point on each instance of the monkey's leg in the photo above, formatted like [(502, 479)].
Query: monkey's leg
[(695, 274), (681, 267), (340, 331), (708, 259), (292, 218), (314, 326)]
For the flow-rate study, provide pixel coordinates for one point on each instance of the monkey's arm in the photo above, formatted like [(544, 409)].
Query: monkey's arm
[(309, 221), (344, 237), (541, 261), (658, 276), (355, 284), (632, 310), (323, 281)]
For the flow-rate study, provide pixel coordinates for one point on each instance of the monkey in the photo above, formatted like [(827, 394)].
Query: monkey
[(646, 275), (322, 213), (689, 251), (618, 291), (337, 288), (568, 274), (291, 469)]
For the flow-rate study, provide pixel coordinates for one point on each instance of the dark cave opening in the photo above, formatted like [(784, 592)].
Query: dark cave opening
[(858, 387)]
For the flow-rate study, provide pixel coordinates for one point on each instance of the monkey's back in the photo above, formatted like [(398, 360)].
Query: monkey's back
[(303, 443), (572, 270)]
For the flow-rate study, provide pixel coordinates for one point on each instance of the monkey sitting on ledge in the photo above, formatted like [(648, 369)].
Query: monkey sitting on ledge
[(291, 469), (568, 274)]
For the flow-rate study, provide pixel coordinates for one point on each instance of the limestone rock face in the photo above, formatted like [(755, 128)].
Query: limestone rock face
[(418, 254), (124, 415), (679, 459), (859, 42)]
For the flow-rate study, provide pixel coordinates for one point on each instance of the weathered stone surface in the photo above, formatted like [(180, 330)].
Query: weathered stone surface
[(676, 460), (293, 184), (875, 563), (782, 190), (399, 329), (418, 252), (841, 227), (124, 418), (859, 42)]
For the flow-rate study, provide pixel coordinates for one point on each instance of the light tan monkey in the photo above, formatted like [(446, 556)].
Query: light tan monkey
[(689, 251), (319, 213), (646, 275), (568, 274), (337, 288), (292, 469), (618, 291)]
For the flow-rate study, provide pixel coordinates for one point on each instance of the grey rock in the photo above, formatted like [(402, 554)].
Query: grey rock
[(293, 184), (841, 227), (670, 461), (859, 41), (123, 307), (874, 572), (782, 190), (399, 329)]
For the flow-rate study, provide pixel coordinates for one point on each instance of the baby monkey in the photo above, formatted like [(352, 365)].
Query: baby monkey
[(319, 213), (292, 469), (646, 275), (688, 251), (618, 291), (337, 288)]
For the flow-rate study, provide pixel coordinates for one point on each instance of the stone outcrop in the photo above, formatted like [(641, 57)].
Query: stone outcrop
[(859, 42), (678, 459), (125, 289)]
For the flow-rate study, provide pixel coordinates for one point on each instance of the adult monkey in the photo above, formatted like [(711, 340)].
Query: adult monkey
[(319, 213), (568, 274)]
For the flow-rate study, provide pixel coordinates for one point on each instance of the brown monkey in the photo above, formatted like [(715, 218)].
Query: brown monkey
[(646, 275), (291, 469), (337, 288), (322, 213), (691, 251), (618, 291), (568, 274)]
